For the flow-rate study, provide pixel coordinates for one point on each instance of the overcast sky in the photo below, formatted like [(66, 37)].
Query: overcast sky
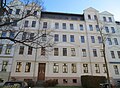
[(77, 6)]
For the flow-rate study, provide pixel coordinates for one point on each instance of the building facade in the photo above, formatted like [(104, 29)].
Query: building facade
[(78, 50)]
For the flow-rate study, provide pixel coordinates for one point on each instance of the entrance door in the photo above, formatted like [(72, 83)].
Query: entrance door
[(41, 71)]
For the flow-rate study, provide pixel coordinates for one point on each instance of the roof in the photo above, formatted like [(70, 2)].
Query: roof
[(60, 15)]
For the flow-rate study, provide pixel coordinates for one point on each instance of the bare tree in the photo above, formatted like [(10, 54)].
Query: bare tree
[(104, 37), (12, 21)]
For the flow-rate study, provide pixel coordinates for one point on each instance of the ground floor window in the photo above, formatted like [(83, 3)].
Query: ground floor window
[(55, 68), (74, 80), (18, 66), (65, 81), (4, 65)]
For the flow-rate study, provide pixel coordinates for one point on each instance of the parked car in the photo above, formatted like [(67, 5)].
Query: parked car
[(105, 85), (15, 84)]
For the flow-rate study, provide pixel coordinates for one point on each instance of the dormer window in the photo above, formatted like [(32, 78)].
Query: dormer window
[(110, 19), (28, 11), (10, 11), (89, 17), (35, 13), (17, 11), (104, 19), (95, 17)]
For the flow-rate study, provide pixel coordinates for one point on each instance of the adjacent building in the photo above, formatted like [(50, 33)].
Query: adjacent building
[(78, 50)]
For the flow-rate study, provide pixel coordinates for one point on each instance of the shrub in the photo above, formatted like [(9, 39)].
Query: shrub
[(50, 83), (92, 81), (30, 82), (1, 80)]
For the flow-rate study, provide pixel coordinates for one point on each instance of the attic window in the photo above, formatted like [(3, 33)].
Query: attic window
[(110, 19), (104, 19), (89, 17)]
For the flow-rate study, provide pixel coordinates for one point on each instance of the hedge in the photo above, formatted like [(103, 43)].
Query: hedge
[(89, 81)]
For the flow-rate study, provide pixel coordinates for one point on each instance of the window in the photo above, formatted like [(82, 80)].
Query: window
[(4, 33), (112, 54), (107, 30), (4, 65), (26, 23), (30, 50), (21, 50), (56, 37), (17, 11), (10, 11), (72, 38), (44, 24), (64, 51), (101, 52), (89, 17), (116, 69), (85, 68), (71, 26), (91, 27), (33, 23), (35, 13), (94, 52), (73, 52), (113, 29), (64, 38), (115, 40), (104, 67), (81, 27), (0, 20), (8, 49), (84, 54), (14, 23), (12, 34), (24, 36), (74, 80), (118, 52), (56, 25), (43, 51), (99, 39), (110, 19), (92, 39), (27, 67), (28, 11), (64, 25), (104, 19), (1, 47), (65, 81), (97, 27), (31, 36), (95, 17), (44, 37), (109, 41), (55, 68), (74, 68), (65, 68), (56, 52), (18, 67), (82, 39), (97, 68)]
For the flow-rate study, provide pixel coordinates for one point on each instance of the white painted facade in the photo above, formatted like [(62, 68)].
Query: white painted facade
[(80, 61)]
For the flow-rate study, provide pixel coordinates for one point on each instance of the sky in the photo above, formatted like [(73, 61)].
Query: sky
[(77, 6)]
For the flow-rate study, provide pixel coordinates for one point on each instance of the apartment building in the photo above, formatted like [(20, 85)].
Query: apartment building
[(6, 55), (78, 50)]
